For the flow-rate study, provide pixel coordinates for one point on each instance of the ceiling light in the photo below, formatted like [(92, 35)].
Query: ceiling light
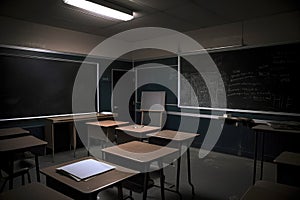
[(100, 9)]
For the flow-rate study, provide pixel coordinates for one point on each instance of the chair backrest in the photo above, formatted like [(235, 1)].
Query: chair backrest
[(153, 104)]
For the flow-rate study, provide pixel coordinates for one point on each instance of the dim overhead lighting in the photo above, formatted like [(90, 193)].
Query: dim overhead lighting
[(101, 9)]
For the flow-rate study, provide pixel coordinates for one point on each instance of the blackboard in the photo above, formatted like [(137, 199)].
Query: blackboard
[(35, 86), (262, 79), (158, 78)]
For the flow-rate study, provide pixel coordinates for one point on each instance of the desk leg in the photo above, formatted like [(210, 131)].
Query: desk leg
[(89, 129), (255, 157), (52, 138), (74, 139), (37, 168), (11, 172), (189, 170), (178, 173), (162, 183), (262, 155), (145, 186), (120, 191)]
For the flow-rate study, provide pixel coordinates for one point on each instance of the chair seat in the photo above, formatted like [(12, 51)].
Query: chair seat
[(19, 165), (17, 172), (21, 168)]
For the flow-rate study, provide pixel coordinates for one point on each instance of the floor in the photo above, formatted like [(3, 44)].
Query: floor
[(218, 176)]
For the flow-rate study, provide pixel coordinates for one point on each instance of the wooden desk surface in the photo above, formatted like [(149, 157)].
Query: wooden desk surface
[(173, 135), (140, 151), (288, 158), (139, 128), (11, 132), (36, 191), (263, 127), (107, 123), (95, 183), (20, 143), (71, 118), (263, 190)]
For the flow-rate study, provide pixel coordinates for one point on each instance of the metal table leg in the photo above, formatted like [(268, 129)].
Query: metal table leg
[(262, 155), (37, 168), (255, 157), (162, 184), (145, 186), (189, 171)]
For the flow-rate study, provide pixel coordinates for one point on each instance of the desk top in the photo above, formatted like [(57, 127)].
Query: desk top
[(140, 151), (36, 191), (20, 143), (173, 135), (71, 118), (13, 132), (139, 128), (95, 183), (267, 190), (288, 158), (264, 127), (107, 123)]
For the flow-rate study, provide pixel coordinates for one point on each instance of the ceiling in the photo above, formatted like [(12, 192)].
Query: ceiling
[(180, 15)]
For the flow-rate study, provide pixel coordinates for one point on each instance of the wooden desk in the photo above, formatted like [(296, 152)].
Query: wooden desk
[(20, 144), (178, 140), (237, 120), (93, 130), (13, 132), (139, 131), (288, 158), (288, 168), (36, 191), (139, 156), (262, 129), (91, 187), (49, 135), (107, 123), (263, 190)]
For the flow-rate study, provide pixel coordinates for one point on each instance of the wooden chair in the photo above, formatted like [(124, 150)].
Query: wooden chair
[(21, 168), (153, 104)]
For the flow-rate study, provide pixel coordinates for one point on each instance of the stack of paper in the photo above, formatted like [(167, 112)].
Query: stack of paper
[(84, 169)]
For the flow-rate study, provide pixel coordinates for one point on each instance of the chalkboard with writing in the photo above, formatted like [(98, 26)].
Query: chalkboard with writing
[(263, 79)]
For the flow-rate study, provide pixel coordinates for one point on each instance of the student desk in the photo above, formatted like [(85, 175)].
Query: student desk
[(178, 140), (139, 156), (9, 147), (87, 189), (139, 131), (262, 129), (52, 121), (93, 130), (36, 191), (264, 190), (288, 168), (13, 132)]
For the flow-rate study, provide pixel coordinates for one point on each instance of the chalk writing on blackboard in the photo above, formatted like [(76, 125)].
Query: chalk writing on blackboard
[(255, 79)]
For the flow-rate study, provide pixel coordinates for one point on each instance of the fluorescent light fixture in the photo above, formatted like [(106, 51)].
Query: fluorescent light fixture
[(99, 9)]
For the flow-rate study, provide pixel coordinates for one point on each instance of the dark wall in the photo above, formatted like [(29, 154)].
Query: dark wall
[(277, 68)]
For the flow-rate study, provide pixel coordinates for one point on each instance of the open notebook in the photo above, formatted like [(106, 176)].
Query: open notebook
[(84, 169)]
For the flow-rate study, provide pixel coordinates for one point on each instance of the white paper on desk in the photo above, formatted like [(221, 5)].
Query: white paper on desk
[(84, 169)]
